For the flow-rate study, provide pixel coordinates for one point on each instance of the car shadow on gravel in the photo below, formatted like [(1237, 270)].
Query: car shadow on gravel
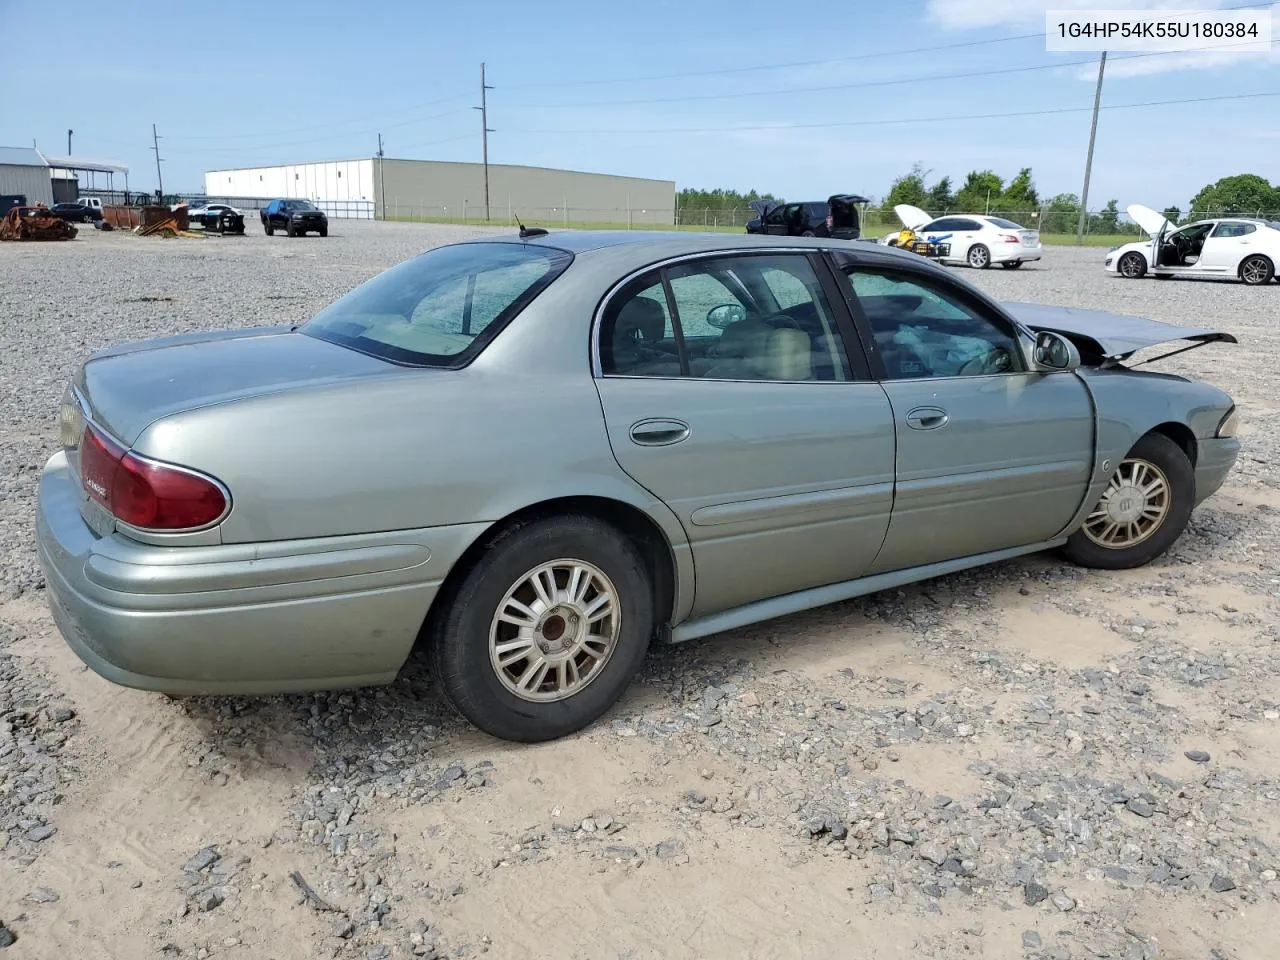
[(410, 718)]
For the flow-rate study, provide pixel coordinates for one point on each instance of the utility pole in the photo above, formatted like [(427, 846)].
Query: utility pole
[(382, 181), (69, 133), (155, 139), (484, 138), (1088, 163)]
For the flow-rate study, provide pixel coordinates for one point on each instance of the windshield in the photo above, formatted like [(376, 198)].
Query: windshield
[(443, 306), (297, 205), (1004, 224)]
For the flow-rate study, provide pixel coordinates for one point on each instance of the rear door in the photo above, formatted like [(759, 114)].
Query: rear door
[(729, 395), (1228, 243), (990, 454), (778, 220)]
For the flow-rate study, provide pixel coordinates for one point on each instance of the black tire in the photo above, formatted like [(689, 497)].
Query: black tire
[(324, 231), (983, 258), (1257, 270), (266, 225), (85, 218), (807, 233), (459, 636), (1132, 266), (1155, 449), (1012, 264)]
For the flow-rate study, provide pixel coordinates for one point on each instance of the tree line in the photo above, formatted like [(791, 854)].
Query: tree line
[(985, 191)]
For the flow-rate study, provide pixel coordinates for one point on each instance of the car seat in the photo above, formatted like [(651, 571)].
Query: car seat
[(639, 326), (753, 350)]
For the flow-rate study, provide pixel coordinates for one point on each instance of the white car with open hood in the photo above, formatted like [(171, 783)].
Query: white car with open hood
[(977, 240), (1232, 248)]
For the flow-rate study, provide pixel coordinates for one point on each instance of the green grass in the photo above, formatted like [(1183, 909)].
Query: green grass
[(871, 228)]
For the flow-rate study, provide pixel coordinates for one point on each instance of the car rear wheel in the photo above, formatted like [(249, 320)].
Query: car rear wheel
[(266, 225), (1257, 270), (979, 257), (1132, 266), (1142, 511), (545, 633)]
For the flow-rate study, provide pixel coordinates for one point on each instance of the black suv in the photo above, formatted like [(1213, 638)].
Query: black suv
[(836, 217), (295, 217)]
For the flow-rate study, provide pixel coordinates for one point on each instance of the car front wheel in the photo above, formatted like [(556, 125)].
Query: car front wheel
[(979, 257), (545, 632), (1133, 266), (1142, 511), (266, 225)]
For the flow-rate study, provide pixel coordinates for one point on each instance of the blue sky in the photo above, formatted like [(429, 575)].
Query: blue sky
[(254, 83)]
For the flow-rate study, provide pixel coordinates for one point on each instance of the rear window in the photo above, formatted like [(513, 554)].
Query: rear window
[(443, 306), (1004, 224)]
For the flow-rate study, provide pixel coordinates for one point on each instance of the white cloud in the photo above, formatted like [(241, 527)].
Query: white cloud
[(1118, 66), (975, 14), (1029, 15)]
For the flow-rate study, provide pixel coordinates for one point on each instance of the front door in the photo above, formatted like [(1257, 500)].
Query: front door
[(728, 394), (991, 455)]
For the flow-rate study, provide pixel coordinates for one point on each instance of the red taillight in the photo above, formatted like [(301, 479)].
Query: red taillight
[(146, 494), (1010, 238)]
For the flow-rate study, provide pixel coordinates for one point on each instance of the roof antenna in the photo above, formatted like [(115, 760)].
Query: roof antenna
[(527, 232)]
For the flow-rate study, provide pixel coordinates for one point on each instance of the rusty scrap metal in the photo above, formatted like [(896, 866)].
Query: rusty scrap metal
[(34, 223), (122, 218)]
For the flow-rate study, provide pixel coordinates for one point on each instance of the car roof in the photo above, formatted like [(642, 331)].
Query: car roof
[(655, 245)]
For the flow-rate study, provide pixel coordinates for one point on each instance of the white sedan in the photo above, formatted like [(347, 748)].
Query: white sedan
[(976, 240), (1234, 248)]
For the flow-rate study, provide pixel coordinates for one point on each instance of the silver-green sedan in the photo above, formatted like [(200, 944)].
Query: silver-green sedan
[(538, 454)]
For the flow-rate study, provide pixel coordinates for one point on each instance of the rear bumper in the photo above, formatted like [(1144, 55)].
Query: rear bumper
[(1012, 252), (274, 617), (1214, 461)]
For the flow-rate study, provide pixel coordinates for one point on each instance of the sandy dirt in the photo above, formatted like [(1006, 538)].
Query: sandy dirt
[(734, 806)]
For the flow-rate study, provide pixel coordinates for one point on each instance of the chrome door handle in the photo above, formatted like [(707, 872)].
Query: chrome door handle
[(927, 418), (658, 433)]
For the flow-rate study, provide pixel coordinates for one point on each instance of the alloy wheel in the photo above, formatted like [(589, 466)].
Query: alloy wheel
[(554, 630), (1132, 508)]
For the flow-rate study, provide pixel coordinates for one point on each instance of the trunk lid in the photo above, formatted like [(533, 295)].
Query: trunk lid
[(130, 386), (1029, 238)]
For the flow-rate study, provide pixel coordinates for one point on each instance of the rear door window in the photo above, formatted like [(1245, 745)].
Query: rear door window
[(442, 307)]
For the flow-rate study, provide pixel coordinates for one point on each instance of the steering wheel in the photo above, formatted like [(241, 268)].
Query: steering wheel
[(995, 360)]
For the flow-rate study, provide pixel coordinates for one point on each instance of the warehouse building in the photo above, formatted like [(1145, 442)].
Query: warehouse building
[(440, 190), (24, 173)]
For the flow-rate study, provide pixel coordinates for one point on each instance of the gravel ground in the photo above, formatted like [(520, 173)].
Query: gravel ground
[(1029, 760)]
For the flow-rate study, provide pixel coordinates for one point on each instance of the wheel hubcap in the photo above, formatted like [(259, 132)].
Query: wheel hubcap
[(978, 258), (1129, 266), (1254, 271), (555, 630), (1132, 508)]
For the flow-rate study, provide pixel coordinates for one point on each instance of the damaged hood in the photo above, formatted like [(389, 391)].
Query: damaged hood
[(1111, 336)]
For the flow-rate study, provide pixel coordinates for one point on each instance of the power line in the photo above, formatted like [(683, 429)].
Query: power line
[(307, 142), (343, 123), (780, 66), (726, 71), (862, 84), (901, 120)]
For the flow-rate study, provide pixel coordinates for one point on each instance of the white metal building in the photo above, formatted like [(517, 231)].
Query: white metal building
[(341, 188), (444, 190)]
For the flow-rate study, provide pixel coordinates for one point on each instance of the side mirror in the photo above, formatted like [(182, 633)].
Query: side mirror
[(1054, 353), (725, 314)]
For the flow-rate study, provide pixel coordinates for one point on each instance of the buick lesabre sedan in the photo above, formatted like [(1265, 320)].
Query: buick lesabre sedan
[(536, 455)]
